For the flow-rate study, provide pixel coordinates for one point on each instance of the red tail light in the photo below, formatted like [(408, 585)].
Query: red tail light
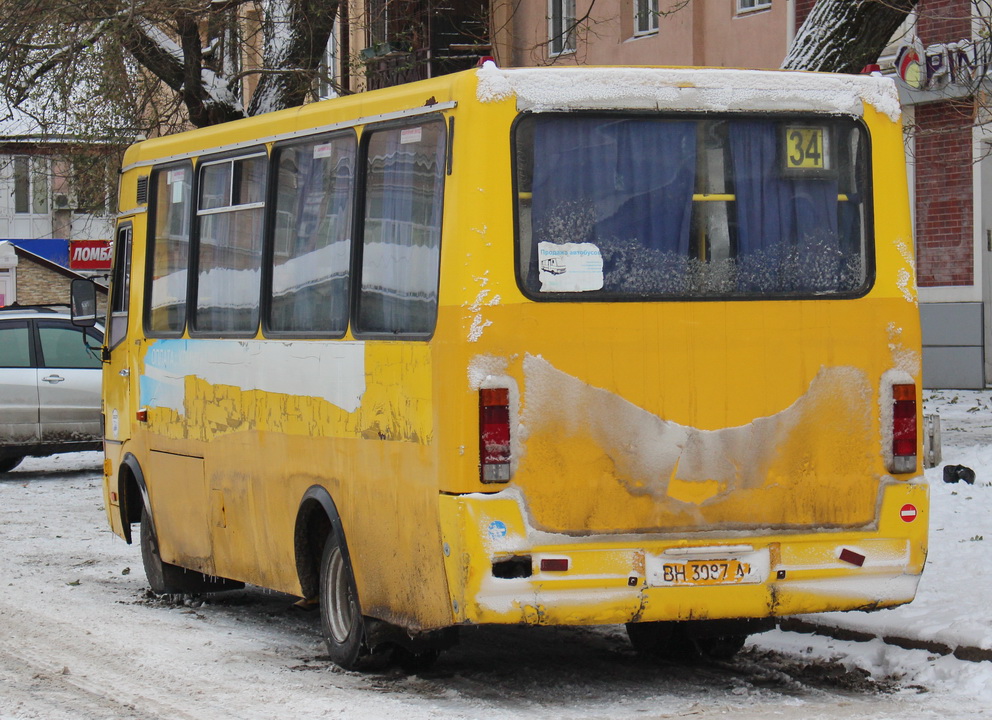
[(494, 435), (903, 428)]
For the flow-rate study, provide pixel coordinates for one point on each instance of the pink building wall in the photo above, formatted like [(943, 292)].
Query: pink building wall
[(704, 32)]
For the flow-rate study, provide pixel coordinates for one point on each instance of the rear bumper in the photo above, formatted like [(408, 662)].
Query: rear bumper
[(616, 579)]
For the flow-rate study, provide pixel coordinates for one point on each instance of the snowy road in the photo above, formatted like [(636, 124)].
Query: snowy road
[(81, 639)]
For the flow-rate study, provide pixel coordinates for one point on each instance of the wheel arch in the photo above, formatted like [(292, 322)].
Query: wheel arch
[(316, 519), (132, 492)]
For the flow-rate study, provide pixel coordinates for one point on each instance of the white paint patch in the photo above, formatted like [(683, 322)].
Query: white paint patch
[(484, 367), (478, 322), (333, 371), (714, 90), (905, 280), (863, 588), (907, 361)]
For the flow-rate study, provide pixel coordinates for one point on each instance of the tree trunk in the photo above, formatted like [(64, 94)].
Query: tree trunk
[(846, 35)]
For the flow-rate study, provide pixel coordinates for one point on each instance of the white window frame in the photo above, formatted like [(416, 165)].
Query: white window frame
[(561, 27), (328, 68), (746, 6), (645, 17), (8, 287), (38, 186)]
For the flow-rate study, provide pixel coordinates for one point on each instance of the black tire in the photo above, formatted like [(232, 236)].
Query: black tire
[(412, 662), (340, 612), (167, 579), (648, 637), (162, 577), (722, 647), (682, 641), (664, 640), (8, 464)]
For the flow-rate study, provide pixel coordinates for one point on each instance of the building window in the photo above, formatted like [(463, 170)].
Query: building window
[(561, 27), (744, 6), (378, 12), (30, 186), (645, 17), (328, 70), (6, 287)]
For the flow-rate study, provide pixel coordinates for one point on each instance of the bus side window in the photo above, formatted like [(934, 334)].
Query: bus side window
[(169, 234), (315, 185), (120, 294), (404, 186), (230, 213)]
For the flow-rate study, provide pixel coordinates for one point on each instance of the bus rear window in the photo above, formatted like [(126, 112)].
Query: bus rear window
[(612, 207)]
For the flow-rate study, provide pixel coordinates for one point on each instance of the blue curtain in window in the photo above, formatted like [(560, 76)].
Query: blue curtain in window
[(787, 226), (600, 180)]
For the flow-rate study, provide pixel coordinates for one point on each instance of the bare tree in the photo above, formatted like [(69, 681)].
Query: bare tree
[(151, 64), (846, 35)]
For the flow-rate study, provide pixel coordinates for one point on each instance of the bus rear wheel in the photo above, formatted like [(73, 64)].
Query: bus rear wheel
[(684, 640), (340, 614)]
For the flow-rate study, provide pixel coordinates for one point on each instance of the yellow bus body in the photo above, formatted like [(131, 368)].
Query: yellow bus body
[(641, 430)]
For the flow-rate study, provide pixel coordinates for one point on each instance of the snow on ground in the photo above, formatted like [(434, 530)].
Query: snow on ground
[(80, 639), (953, 605)]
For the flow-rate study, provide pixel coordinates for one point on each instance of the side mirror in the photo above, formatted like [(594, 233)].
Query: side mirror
[(83, 302)]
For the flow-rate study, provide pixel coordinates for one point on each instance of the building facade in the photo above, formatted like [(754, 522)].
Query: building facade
[(30, 279), (57, 203)]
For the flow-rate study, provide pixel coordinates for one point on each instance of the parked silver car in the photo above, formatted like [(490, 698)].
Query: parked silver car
[(49, 384)]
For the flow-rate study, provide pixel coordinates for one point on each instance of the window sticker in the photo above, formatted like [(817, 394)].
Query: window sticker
[(572, 267), (176, 178), (322, 151), (411, 135)]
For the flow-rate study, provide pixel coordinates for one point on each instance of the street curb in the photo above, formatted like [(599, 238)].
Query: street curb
[(961, 652)]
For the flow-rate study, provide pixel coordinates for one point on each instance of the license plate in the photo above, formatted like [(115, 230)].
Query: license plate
[(747, 569)]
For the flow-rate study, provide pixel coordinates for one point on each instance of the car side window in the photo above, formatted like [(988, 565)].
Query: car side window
[(15, 347), (62, 347)]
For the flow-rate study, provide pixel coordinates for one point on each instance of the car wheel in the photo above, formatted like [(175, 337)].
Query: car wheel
[(340, 613), (8, 464)]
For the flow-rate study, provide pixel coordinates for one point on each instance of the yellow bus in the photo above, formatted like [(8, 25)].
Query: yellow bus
[(558, 346)]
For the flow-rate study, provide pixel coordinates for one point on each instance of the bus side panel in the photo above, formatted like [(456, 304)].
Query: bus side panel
[(364, 433)]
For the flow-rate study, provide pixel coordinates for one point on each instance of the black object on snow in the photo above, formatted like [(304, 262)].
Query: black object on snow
[(953, 473)]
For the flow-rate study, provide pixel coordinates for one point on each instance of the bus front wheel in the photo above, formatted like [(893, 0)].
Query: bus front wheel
[(9, 463), (167, 579), (163, 578), (340, 614)]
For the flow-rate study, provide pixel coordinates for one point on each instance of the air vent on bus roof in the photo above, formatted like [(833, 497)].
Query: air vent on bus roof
[(143, 190)]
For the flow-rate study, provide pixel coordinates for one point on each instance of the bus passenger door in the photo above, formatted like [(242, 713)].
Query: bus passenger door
[(120, 371)]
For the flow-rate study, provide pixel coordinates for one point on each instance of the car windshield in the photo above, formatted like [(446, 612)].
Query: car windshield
[(623, 207)]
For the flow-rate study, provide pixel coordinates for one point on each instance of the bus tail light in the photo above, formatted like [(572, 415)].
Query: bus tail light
[(494, 435), (903, 428)]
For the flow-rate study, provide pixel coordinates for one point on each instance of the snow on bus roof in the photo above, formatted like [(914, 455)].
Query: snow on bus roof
[(709, 89)]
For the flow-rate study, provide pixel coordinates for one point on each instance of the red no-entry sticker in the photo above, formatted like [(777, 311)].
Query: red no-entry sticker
[(908, 513)]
